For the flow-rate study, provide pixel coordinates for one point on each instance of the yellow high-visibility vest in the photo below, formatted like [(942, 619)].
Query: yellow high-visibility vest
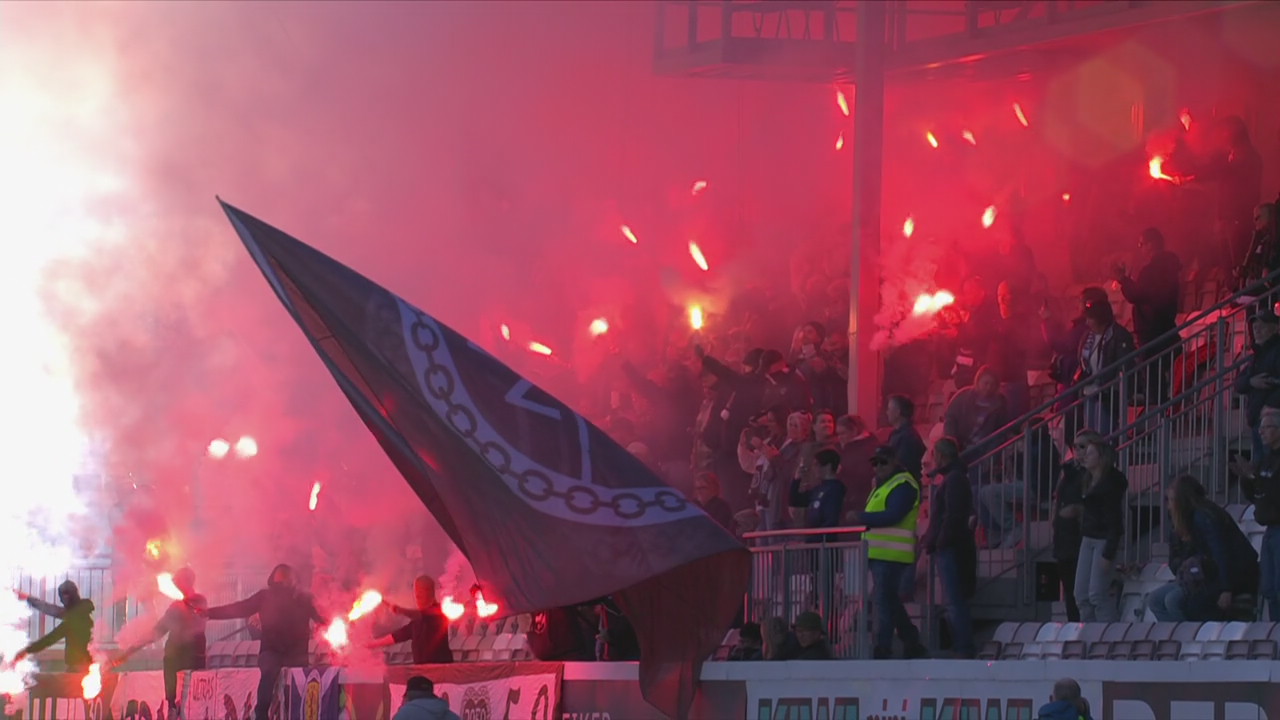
[(898, 542)]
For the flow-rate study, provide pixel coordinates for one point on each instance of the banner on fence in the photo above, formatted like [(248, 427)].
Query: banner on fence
[(226, 694), (488, 691)]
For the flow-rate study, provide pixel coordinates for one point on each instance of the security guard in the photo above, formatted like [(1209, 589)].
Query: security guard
[(890, 518)]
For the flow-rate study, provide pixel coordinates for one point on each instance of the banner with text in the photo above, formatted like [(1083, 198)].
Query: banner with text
[(225, 694), (488, 691)]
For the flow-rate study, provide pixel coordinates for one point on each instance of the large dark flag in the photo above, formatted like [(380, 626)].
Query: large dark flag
[(547, 508)]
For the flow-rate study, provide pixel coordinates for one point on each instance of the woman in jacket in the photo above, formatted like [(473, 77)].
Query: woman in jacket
[(1210, 556), (1101, 529), (1068, 506), (1103, 344)]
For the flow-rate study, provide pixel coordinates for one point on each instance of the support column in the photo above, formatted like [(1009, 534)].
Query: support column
[(868, 165)]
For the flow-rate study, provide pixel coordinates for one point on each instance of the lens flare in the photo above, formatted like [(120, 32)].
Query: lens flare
[(699, 259), (315, 496), (598, 327), (452, 610), (695, 317), (626, 233), (368, 601), (164, 581)]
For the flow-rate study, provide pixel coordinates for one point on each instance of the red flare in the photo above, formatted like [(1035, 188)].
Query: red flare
[(928, 304), (1022, 117), (933, 140), (1184, 117), (506, 331), (699, 259), (451, 609), (840, 141), (91, 685), (968, 136), (599, 326), (1156, 169), (218, 448), (626, 232), (698, 186), (164, 581), (368, 601), (842, 102), (315, 496), (154, 548), (989, 216), (484, 609), (1066, 197), (908, 227), (539, 348), (336, 634), (695, 317)]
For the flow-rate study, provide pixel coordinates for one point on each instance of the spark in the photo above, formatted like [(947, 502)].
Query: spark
[(933, 139), (246, 447), (484, 609), (598, 327), (218, 448), (842, 102), (164, 581), (91, 685), (315, 496), (1022, 117), (695, 317), (539, 348), (968, 136), (451, 609), (336, 634), (840, 141), (908, 227), (698, 187), (506, 331), (626, 232), (699, 259), (368, 601), (989, 216)]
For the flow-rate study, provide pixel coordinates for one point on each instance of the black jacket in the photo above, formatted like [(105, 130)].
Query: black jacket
[(76, 629), (1264, 491), (1103, 517), (1066, 531), (949, 512), (909, 448), (1154, 295), (1228, 559), (286, 614), (1117, 343), (1266, 359)]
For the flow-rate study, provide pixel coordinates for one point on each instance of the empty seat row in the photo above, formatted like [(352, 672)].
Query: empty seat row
[(1134, 641)]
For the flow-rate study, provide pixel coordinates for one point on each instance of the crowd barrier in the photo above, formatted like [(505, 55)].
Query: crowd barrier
[(835, 690)]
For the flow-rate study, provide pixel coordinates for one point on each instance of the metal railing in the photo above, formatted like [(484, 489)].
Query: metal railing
[(822, 570)]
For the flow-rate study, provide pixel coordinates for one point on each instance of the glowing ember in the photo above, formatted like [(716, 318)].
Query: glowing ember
[(451, 609), (699, 259), (539, 348), (927, 304), (989, 216), (246, 447), (91, 685), (315, 495), (1156, 168), (1066, 197), (154, 548), (968, 136), (842, 102), (1022, 117), (626, 232), (164, 581), (598, 327), (695, 317), (506, 331), (933, 140), (218, 448), (485, 609), (1184, 117), (908, 227), (368, 602), (336, 634), (698, 187), (840, 141)]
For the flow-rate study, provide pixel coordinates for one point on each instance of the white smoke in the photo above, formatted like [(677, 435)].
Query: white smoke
[(57, 129)]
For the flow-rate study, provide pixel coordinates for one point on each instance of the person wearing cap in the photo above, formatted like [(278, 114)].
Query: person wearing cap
[(421, 703), (1260, 378), (811, 639), (750, 643), (890, 518), (184, 623), (76, 628), (1104, 344)]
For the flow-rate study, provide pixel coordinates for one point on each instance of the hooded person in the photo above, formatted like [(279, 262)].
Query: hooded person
[(184, 624), (427, 629), (286, 614), (421, 703), (76, 628)]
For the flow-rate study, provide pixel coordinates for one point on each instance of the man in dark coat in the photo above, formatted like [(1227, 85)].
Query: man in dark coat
[(951, 543), (76, 628), (1154, 294), (427, 629)]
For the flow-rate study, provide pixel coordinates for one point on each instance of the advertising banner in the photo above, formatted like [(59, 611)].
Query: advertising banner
[(224, 694)]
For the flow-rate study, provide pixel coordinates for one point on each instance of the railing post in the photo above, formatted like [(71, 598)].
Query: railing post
[(1222, 407), (1028, 566)]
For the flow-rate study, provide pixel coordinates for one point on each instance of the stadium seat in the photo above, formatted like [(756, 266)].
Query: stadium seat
[(1216, 649), (991, 650), (1168, 650), (1138, 631)]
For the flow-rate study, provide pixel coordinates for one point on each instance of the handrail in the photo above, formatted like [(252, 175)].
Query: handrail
[(1119, 365), (850, 529)]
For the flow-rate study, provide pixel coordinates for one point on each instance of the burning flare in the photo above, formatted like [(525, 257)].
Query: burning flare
[(506, 331), (336, 634), (315, 495), (698, 187), (699, 259), (842, 102), (164, 581), (908, 227), (989, 216), (933, 139), (626, 232), (1022, 117), (484, 609), (927, 304), (695, 317), (218, 448), (1156, 168), (969, 138), (539, 348), (154, 547), (246, 447), (451, 609), (91, 685), (1066, 197), (1184, 117), (598, 327), (840, 141), (368, 601)]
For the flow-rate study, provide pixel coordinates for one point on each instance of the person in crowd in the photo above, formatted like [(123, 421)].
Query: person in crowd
[(750, 644), (783, 384), (1261, 480), (1264, 251), (565, 634), (979, 332), (1236, 171), (812, 358), (1101, 529), (1028, 476), (76, 628), (1064, 342), (774, 467), (951, 543), (1103, 346), (1154, 294), (428, 628), (706, 494), (670, 395), (905, 440), (779, 641), (421, 703), (616, 639), (761, 442), (286, 614), (857, 445), (714, 450), (184, 623), (811, 639), (890, 517), (1017, 342), (1259, 380), (1068, 507), (1066, 703), (975, 413), (1210, 556), (744, 389), (824, 501)]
